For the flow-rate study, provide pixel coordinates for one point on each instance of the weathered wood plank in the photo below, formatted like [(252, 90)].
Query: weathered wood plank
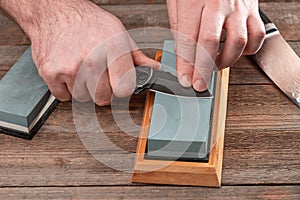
[(11, 34), (155, 15), (261, 144), (153, 192), (261, 140), (261, 162)]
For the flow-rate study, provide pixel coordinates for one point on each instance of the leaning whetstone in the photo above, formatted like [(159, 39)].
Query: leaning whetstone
[(180, 127), (25, 100)]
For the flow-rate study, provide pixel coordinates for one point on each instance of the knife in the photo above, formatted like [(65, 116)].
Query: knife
[(163, 82), (278, 60)]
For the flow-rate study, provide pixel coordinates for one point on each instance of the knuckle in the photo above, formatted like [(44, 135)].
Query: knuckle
[(173, 25), (240, 40), (209, 40), (123, 91), (260, 35), (186, 42), (48, 74), (125, 85), (69, 72), (184, 65)]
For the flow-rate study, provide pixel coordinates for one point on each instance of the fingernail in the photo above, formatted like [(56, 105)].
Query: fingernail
[(185, 81), (200, 85)]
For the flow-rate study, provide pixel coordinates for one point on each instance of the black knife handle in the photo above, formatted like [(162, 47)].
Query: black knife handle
[(269, 26), (143, 78), (264, 17)]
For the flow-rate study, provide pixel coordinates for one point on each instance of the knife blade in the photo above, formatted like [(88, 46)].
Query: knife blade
[(278, 60), (163, 82)]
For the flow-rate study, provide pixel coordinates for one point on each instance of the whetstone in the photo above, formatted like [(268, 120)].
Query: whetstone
[(180, 127), (161, 166), (25, 100)]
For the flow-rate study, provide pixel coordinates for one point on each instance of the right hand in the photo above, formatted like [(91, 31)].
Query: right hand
[(197, 26), (84, 52)]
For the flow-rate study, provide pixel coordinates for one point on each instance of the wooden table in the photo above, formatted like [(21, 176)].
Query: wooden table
[(262, 138)]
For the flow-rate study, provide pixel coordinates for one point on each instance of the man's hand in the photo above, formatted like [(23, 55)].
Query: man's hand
[(197, 26), (80, 50)]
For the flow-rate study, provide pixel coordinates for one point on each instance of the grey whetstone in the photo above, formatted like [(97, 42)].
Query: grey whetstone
[(23, 94), (180, 127)]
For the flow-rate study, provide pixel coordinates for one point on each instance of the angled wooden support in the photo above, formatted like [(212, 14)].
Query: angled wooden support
[(185, 172)]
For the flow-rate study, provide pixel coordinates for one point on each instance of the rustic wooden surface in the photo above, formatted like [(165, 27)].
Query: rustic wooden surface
[(262, 137)]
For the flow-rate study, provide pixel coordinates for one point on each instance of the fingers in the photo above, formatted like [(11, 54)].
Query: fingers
[(121, 65), (207, 48), (139, 58), (188, 29), (80, 91), (236, 40), (122, 75), (54, 82), (256, 34), (121, 72), (60, 91), (90, 69), (92, 78), (99, 88), (201, 23), (172, 12)]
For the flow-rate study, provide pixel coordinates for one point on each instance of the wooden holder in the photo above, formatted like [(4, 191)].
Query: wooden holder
[(181, 172)]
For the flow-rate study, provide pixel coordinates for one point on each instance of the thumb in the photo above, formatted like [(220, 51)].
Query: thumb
[(141, 59)]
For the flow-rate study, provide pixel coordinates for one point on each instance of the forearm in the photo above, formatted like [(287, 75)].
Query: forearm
[(33, 15)]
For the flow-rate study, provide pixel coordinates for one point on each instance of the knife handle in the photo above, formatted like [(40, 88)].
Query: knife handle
[(264, 17), (143, 78), (269, 26)]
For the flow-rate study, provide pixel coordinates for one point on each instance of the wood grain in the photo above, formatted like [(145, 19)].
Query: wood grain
[(261, 144), (261, 150), (155, 15), (251, 156), (153, 192)]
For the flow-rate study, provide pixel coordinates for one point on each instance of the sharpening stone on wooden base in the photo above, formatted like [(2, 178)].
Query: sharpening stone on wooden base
[(180, 127), (25, 100), (181, 138)]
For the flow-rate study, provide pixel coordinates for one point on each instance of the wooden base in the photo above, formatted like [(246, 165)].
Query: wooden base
[(180, 172)]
